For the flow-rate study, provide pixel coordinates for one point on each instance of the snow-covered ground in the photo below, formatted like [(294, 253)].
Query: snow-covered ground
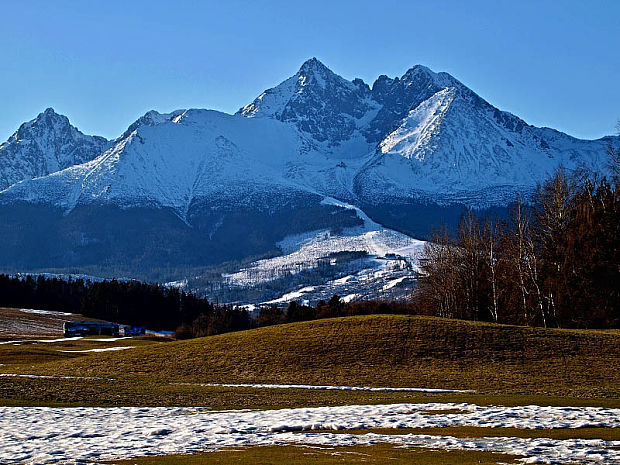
[(59, 435), (23, 341), (43, 312), (103, 349), (392, 257), (19, 375), (303, 251)]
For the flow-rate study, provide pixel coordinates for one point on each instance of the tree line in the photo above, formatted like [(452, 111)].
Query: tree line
[(554, 263), (163, 308), (128, 302)]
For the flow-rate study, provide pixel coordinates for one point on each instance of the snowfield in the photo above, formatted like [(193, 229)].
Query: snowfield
[(17, 342), (303, 252), (44, 435)]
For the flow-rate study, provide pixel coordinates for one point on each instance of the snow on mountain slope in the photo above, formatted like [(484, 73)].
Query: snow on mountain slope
[(454, 147), (413, 138), (44, 145), (172, 161), (421, 136), (176, 159), (424, 135), (302, 252)]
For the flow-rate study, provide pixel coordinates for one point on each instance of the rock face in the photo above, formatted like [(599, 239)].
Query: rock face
[(422, 136), (44, 145), (319, 102), (201, 187)]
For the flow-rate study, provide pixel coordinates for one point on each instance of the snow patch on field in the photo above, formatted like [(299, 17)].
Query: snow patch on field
[(103, 349), (63, 339), (45, 341), (61, 435), (337, 388), (20, 375), (43, 312)]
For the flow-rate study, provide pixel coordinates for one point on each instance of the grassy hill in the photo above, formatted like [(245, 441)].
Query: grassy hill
[(382, 350)]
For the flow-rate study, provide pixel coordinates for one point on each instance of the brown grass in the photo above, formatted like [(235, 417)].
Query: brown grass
[(30, 353), (15, 323), (299, 455), (503, 364)]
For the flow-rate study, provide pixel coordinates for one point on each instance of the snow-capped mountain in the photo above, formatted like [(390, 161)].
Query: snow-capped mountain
[(421, 136), (200, 187), (44, 145), (427, 135), (455, 147), (318, 102)]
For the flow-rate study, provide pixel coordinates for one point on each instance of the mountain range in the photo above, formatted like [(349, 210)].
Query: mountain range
[(202, 188)]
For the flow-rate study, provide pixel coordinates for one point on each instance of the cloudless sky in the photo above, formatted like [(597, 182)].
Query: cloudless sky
[(105, 63)]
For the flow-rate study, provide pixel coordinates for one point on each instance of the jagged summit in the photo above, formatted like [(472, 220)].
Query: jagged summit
[(441, 78), (48, 117), (313, 65), (319, 102), (331, 109), (151, 118), (45, 144)]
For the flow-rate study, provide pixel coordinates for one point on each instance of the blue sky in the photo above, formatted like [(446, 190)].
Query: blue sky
[(105, 63)]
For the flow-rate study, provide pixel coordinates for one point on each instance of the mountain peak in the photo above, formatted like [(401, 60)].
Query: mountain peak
[(151, 118), (320, 102), (50, 114), (46, 121), (419, 69), (312, 65), (43, 145), (313, 72), (418, 73)]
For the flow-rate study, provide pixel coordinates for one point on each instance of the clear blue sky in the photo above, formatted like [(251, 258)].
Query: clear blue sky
[(104, 63)]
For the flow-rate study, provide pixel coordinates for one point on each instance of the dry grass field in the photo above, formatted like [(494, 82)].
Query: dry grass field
[(502, 364), (21, 323), (377, 454)]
